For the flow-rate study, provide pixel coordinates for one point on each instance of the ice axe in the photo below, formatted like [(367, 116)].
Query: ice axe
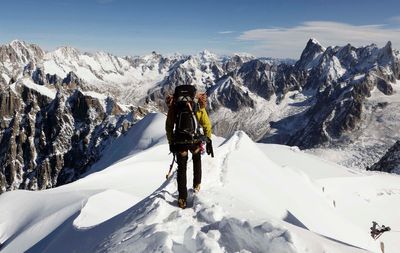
[(170, 168)]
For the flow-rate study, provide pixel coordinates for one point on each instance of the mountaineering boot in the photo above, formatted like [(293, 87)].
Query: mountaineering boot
[(196, 188), (182, 203)]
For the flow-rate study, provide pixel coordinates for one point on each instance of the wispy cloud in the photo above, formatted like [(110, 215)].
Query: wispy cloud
[(395, 19), (290, 41), (226, 32)]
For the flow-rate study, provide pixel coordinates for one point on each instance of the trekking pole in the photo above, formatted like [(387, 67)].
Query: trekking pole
[(170, 168)]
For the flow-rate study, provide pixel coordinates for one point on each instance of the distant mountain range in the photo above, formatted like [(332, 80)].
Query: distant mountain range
[(59, 109)]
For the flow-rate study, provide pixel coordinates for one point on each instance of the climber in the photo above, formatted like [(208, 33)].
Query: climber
[(188, 127)]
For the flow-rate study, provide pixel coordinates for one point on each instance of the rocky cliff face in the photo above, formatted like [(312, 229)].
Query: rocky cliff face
[(50, 137), (14, 57), (390, 162), (342, 79), (333, 82)]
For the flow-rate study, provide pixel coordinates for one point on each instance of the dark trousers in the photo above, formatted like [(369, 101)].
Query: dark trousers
[(182, 158)]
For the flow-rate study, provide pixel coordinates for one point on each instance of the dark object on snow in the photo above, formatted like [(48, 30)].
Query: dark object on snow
[(377, 231), (390, 162), (209, 148)]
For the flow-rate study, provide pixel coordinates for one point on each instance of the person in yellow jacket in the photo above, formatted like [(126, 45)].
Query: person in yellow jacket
[(180, 146)]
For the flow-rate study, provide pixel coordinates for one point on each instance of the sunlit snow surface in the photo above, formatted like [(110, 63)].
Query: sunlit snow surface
[(49, 92), (254, 198)]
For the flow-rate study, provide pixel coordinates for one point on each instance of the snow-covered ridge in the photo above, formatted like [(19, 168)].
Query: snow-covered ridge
[(15, 56), (254, 197), (131, 77), (49, 92), (96, 69)]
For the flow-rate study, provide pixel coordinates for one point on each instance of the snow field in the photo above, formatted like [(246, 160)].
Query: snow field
[(51, 93), (254, 198)]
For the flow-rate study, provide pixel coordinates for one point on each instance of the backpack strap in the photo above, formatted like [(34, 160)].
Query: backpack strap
[(198, 134), (195, 120)]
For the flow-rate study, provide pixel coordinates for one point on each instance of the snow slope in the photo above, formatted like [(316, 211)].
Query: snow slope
[(143, 135), (254, 198)]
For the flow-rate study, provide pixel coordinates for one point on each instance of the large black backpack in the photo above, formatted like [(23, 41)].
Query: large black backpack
[(187, 128)]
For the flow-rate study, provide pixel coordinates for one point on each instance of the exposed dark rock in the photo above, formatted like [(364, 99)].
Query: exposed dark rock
[(390, 162), (347, 56), (72, 80), (227, 93), (385, 87), (257, 76), (39, 77), (20, 52), (9, 104), (45, 142), (343, 79), (233, 64), (309, 56)]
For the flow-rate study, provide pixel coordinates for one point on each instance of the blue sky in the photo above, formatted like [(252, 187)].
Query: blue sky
[(263, 28)]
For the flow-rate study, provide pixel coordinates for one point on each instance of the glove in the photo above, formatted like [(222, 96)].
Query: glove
[(209, 148), (172, 148)]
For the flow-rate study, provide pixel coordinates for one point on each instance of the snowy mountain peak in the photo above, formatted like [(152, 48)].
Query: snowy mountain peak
[(387, 50), (26, 50), (314, 41), (65, 52), (244, 57), (103, 54), (207, 56), (309, 56), (153, 57), (206, 52), (17, 43), (15, 56), (388, 44)]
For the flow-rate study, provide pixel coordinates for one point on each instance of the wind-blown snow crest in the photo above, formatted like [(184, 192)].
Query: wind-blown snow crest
[(254, 198)]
